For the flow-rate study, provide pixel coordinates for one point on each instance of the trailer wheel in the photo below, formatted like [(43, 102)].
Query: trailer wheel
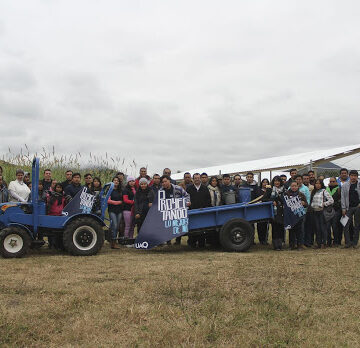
[(236, 235), (14, 242), (83, 236)]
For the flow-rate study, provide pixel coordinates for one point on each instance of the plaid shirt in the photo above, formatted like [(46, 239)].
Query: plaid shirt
[(318, 200)]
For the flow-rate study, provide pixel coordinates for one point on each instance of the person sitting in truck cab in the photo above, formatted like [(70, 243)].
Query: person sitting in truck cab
[(75, 186), (18, 190), (56, 201)]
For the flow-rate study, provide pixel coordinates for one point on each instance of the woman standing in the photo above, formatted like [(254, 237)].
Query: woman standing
[(215, 192), (320, 198), (96, 188), (141, 204), (18, 190), (128, 207), (114, 209), (262, 227), (275, 194)]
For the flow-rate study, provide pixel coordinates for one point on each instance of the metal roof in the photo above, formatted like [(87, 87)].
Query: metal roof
[(298, 160)]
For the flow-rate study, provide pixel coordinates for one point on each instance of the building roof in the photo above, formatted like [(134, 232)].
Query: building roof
[(298, 160)]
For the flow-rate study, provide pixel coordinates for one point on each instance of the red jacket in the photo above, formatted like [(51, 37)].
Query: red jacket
[(55, 208)]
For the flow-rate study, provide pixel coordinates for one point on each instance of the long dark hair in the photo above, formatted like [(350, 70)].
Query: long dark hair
[(261, 184), (277, 178), (92, 184), (119, 186), (315, 190), (212, 178)]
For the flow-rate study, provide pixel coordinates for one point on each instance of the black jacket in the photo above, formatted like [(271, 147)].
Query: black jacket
[(199, 199), (141, 204), (128, 192), (72, 190)]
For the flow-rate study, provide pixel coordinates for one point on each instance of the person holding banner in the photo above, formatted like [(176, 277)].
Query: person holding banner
[(320, 198), (275, 194), (141, 203), (294, 212)]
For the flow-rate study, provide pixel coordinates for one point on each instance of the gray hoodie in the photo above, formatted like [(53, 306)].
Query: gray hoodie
[(345, 188)]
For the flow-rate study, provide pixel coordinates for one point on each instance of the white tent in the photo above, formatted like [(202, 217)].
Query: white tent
[(300, 160)]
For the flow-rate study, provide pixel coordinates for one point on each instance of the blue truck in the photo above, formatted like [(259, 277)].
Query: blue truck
[(23, 225)]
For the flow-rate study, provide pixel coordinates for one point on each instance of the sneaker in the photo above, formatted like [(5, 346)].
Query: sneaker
[(130, 245)]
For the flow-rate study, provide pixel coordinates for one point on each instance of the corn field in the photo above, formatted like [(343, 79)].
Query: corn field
[(102, 166)]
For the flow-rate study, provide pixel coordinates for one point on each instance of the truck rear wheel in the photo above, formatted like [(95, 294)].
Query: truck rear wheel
[(14, 242), (83, 236), (236, 235)]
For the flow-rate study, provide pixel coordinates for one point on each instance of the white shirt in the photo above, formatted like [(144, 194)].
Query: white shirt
[(19, 192)]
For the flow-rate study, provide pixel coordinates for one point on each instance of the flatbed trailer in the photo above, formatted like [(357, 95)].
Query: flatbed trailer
[(231, 225)]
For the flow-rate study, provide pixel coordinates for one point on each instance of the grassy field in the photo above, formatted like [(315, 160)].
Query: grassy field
[(173, 296)]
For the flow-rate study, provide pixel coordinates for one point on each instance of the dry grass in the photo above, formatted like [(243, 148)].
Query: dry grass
[(176, 297)]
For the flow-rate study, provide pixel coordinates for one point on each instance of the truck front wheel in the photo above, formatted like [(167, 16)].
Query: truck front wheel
[(14, 242), (236, 235), (83, 237)]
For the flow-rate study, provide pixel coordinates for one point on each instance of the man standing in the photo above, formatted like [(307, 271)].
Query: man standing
[(68, 176), (204, 179), (229, 193), (171, 191), (47, 180), (306, 182), (167, 172), (121, 177), (187, 181), (143, 174), (312, 177), (350, 205), (75, 186), (344, 177), (88, 180), (293, 173), (156, 186), (252, 184), (200, 198)]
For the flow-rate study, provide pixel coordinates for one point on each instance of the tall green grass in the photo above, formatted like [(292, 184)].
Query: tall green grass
[(104, 167)]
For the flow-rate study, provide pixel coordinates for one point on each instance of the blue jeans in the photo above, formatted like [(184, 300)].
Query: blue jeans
[(320, 227), (334, 224), (115, 219)]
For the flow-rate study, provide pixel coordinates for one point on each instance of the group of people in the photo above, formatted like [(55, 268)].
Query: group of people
[(132, 198)]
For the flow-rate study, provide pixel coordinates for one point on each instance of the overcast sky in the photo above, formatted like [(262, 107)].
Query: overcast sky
[(182, 84)]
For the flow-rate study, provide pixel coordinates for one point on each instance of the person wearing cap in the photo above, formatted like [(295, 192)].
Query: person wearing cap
[(128, 206), (27, 178), (18, 190)]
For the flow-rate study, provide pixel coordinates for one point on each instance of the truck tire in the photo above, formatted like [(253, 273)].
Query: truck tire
[(14, 242), (236, 235), (84, 236)]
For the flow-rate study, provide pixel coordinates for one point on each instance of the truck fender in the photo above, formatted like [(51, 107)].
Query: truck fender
[(95, 217), (23, 227)]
